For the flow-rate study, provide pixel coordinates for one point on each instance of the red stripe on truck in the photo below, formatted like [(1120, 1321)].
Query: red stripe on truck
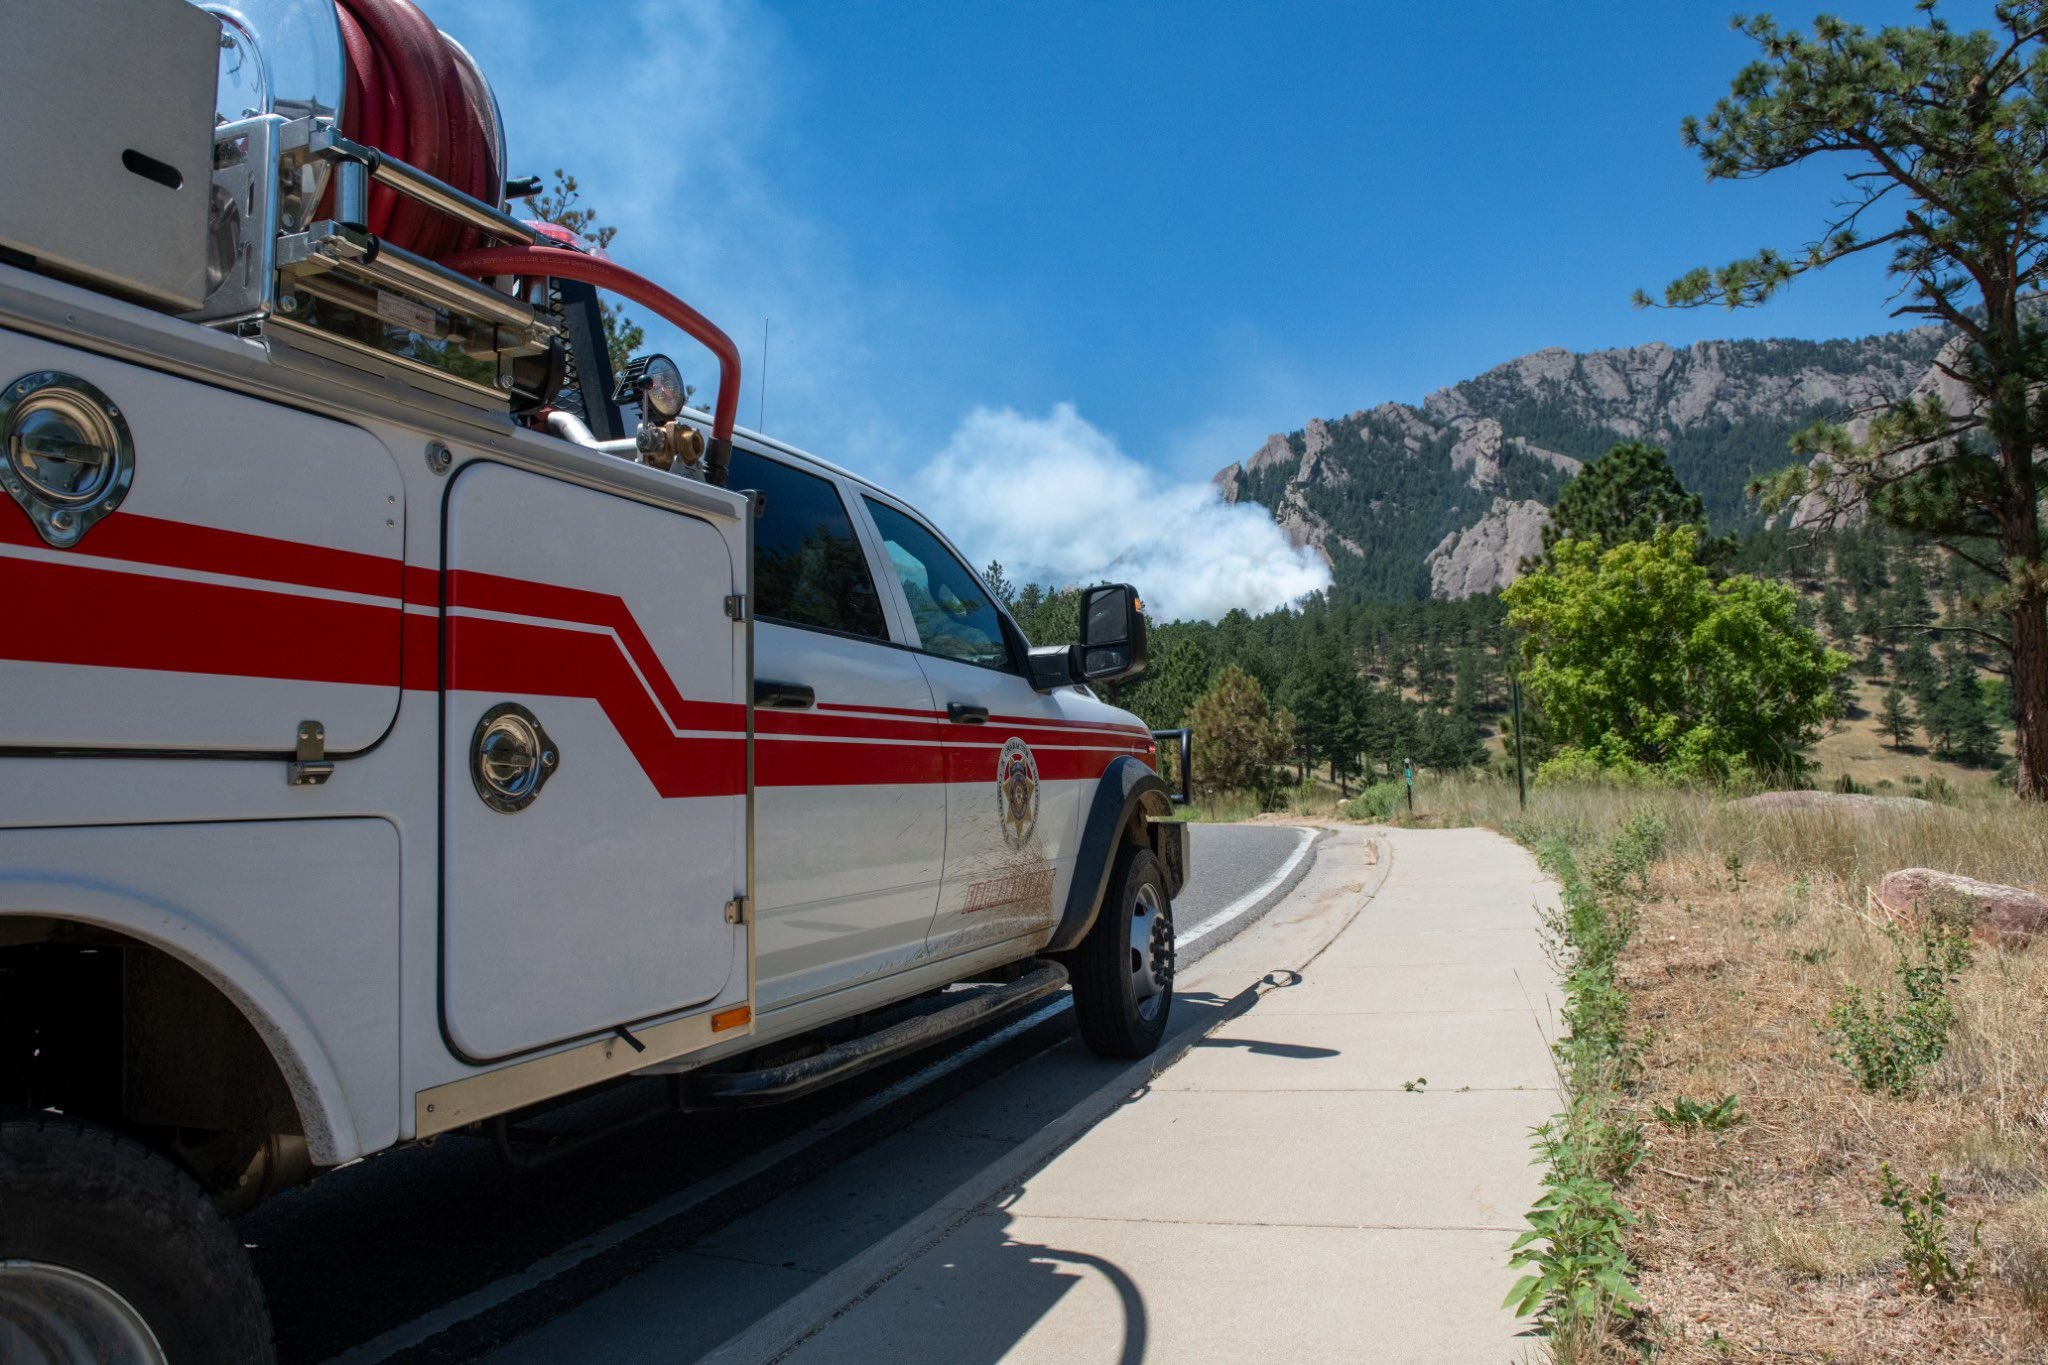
[(148, 621)]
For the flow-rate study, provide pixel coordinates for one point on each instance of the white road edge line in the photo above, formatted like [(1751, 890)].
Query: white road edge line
[(1250, 898), (480, 1301)]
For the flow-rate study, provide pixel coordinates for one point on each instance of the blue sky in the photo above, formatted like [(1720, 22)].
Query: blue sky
[(1162, 230)]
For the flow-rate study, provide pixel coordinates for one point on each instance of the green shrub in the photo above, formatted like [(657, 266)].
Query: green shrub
[(1887, 1048), (1377, 803), (1923, 1226), (1578, 1283), (1629, 854)]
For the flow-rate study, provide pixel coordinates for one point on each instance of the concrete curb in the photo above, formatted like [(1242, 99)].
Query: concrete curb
[(788, 1327)]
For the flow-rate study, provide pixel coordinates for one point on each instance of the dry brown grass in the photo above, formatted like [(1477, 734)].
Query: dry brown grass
[(1857, 746), (1766, 1242)]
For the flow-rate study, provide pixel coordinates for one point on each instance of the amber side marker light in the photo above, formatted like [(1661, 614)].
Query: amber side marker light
[(732, 1018)]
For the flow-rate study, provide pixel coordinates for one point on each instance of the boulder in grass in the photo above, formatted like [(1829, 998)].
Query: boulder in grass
[(1842, 801), (2007, 915)]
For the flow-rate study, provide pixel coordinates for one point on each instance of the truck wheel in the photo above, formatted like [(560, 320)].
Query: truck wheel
[(109, 1253), (1123, 969)]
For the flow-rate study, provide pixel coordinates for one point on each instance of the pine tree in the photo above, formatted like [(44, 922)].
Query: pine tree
[(1941, 128), (1919, 672), (1958, 723), (1238, 743), (1895, 719)]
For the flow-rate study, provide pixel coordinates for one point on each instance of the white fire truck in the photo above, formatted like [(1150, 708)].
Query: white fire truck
[(393, 740)]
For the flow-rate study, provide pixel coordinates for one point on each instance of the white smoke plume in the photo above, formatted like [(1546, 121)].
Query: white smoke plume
[(1059, 502)]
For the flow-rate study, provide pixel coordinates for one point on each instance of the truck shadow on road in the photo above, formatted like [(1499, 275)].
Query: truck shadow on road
[(366, 1255)]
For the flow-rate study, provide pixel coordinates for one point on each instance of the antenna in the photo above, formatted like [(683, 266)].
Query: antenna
[(761, 412)]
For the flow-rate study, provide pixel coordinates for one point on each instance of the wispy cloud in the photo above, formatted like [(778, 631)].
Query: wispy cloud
[(673, 115), (681, 120), (1058, 501)]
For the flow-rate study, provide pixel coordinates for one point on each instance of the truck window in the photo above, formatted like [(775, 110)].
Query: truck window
[(955, 618), (809, 569)]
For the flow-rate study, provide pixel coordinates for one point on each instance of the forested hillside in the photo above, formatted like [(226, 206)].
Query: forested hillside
[(1366, 685), (1391, 496)]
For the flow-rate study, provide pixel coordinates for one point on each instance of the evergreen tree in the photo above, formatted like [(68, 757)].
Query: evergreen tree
[(1448, 741), (1322, 694), (1943, 130), (999, 583), (1895, 718), (1238, 743), (1919, 672), (1626, 494), (1834, 614), (1958, 723)]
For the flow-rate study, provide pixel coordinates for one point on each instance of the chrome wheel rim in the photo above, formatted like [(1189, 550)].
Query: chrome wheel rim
[(1151, 953), (54, 1315)]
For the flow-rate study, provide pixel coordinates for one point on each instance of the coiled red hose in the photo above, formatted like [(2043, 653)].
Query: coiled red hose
[(411, 94)]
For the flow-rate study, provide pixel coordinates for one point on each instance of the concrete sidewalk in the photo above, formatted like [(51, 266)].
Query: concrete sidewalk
[(1334, 1173)]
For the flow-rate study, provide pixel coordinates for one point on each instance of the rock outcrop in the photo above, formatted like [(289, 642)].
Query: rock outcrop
[(1487, 556), (2008, 915), (1375, 492)]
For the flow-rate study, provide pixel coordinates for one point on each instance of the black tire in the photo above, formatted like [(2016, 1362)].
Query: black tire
[(1118, 1017), (93, 1201)]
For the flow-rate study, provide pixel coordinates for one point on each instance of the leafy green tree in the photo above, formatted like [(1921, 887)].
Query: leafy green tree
[(1895, 717), (1626, 494), (1238, 743), (1638, 657), (1945, 136)]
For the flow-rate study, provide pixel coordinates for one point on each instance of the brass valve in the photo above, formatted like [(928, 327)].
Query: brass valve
[(663, 444)]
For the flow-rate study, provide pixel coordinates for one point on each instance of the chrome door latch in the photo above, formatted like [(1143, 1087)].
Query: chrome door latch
[(736, 910), (310, 766), (736, 606)]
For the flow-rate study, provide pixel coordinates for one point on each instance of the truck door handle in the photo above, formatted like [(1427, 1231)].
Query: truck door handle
[(784, 696), (966, 713)]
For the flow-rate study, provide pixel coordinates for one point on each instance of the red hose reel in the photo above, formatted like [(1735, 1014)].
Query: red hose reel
[(414, 95)]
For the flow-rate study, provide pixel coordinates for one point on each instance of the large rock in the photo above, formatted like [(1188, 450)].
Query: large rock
[(1487, 556), (2008, 915)]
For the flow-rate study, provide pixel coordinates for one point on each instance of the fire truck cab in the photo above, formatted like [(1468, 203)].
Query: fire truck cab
[(392, 741)]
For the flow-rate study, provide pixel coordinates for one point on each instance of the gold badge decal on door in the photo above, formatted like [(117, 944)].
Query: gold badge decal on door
[(1017, 792)]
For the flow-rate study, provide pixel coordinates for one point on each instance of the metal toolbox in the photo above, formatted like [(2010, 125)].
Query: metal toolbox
[(107, 167)]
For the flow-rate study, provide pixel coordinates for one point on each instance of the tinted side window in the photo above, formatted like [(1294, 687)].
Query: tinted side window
[(955, 618), (808, 567)]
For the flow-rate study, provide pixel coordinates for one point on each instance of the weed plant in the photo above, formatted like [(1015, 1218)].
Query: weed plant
[(1923, 1227), (1885, 1047), (1699, 1117), (1579, 1282)]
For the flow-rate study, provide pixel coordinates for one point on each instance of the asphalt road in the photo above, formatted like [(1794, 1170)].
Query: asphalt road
[(435, 1254)]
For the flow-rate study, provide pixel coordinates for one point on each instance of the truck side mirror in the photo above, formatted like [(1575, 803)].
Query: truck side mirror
[(1112, 634)]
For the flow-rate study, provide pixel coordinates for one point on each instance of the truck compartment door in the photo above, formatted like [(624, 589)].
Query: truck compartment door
[(594, 752), (250, 577)]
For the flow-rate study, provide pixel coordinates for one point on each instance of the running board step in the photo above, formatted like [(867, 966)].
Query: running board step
[(775, 1084)]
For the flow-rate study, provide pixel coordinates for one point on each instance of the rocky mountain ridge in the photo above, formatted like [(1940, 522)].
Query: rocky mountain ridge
[(1446, 498)]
